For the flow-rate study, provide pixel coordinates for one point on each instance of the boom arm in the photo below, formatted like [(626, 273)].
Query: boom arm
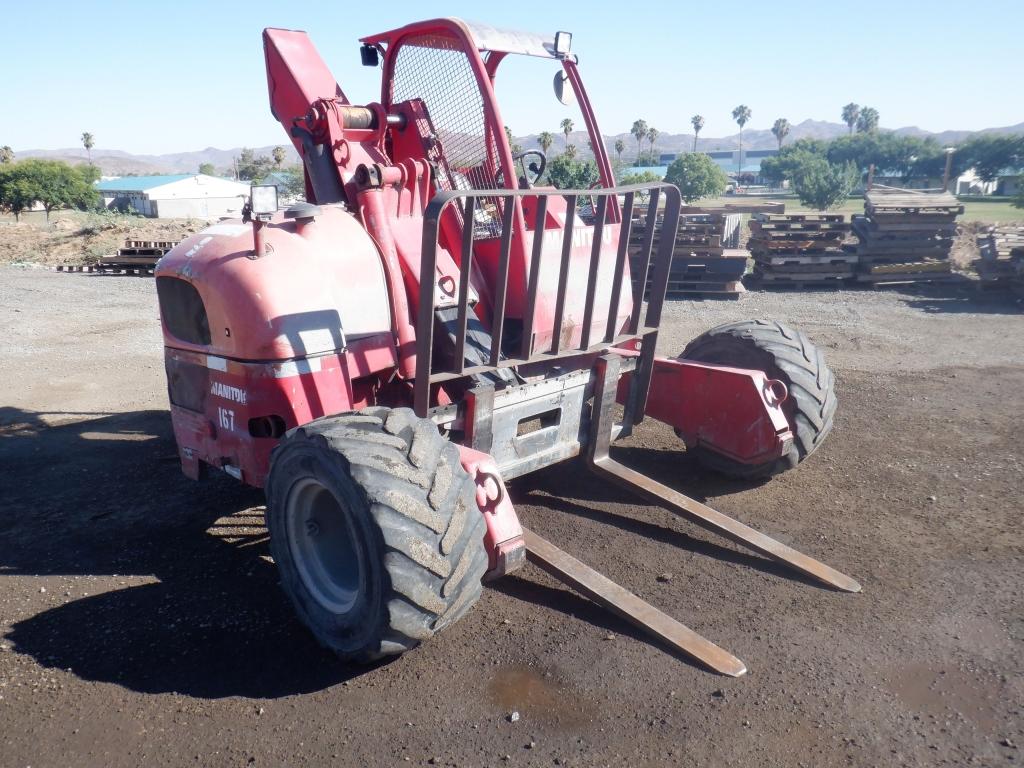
[(318, 117)]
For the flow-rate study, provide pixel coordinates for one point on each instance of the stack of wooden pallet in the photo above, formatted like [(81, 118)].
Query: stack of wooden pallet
[(905, 236), (800, 250), (703, 263), (996, 246), (137, 257)]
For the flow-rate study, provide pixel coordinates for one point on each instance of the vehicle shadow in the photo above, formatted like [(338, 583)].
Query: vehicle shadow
[(672, 467), (105, 496)]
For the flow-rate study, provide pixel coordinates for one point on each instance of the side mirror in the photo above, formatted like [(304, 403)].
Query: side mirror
[(563, 90), (369, 56)]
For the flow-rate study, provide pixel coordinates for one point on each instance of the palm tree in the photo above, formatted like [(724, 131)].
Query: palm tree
[(570, 151), (545, 139), (780, 130), (639, 131), (279, 156), (88, 142), (867, 120), (620, 147), (741, 115), (567, 127), (697, 121), (652, 136), (850, 114), (6, 155)]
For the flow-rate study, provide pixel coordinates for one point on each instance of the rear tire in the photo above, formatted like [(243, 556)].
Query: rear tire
[(784, 354), (375, 530)]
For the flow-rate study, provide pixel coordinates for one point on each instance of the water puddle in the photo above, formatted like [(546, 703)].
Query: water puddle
[(540, 697)]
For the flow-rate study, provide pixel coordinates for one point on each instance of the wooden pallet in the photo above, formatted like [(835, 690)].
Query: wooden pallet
[(908, 277), (909, 268), (149, 244), (689, 290), (789, 218), (884, 201), (795, 277), (140, 271), (129, 261), (785, 259), (815, 283)]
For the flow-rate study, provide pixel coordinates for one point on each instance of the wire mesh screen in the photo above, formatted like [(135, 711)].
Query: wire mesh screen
[(435, 70)]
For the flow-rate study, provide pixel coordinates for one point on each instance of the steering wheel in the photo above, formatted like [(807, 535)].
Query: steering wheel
[(536, 168)]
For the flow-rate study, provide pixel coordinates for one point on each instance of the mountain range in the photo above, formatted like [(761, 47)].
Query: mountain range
[(114, 162)]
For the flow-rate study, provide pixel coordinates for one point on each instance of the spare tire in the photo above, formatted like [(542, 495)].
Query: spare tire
[(375, 530), (784, 354)]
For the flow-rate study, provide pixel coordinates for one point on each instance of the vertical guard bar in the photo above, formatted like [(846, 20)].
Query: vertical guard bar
[(498, 323), (465, 269), (625, 230), (662, 268), (563, 273), (426, 377), (425, 317), (640, 279), (534, 281), (595, 264)]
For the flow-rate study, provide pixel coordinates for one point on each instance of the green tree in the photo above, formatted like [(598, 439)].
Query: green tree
[(293, 181), (564, 172), (639, 131), (6, 155), (514, 148), (570, 151), (15, 190), (780, 130), (1018, 201), (991, 156), (850, 114), (567, 127), (251, 167), (697, 176), (822, 185), (620, 147), (53, 183), (742, 116), (207, 169), (88, 142), (279, 155), (545, 139), (783, 166), (697, 121), (652, 136), (867, 120)]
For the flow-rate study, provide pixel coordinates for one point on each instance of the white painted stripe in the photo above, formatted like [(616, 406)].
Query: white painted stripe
[(296, 367), (216, 363), (231, 230)]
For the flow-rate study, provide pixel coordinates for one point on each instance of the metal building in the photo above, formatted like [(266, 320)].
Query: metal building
[(178, 196)]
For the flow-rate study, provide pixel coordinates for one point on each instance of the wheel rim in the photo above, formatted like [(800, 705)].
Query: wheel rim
[(323, 545)]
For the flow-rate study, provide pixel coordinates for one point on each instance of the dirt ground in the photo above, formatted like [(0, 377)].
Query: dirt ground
[(141, 622), (74, 237)]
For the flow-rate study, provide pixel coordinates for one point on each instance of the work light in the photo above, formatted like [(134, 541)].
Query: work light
[(263, 198), (563, 41)]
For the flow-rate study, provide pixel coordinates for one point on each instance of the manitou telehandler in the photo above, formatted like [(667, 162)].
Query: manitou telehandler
[(432, 323)]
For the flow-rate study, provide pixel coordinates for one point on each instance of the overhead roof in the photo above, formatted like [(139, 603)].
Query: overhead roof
[(486, 37), (140, 183)]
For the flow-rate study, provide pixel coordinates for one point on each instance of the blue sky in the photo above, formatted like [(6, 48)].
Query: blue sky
[(155, 76)]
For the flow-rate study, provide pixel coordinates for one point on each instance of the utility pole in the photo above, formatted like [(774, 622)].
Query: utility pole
[(949, 167)]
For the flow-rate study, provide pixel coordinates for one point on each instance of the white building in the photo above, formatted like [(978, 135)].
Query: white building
[(180, 196)]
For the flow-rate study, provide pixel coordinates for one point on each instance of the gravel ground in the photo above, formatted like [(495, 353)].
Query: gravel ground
[(141, 622)]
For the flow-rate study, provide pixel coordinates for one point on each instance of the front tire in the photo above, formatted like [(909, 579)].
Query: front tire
[(784, 354), (375, 530)]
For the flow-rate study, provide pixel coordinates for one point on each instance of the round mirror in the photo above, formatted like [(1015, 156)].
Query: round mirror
[(563, 90)]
